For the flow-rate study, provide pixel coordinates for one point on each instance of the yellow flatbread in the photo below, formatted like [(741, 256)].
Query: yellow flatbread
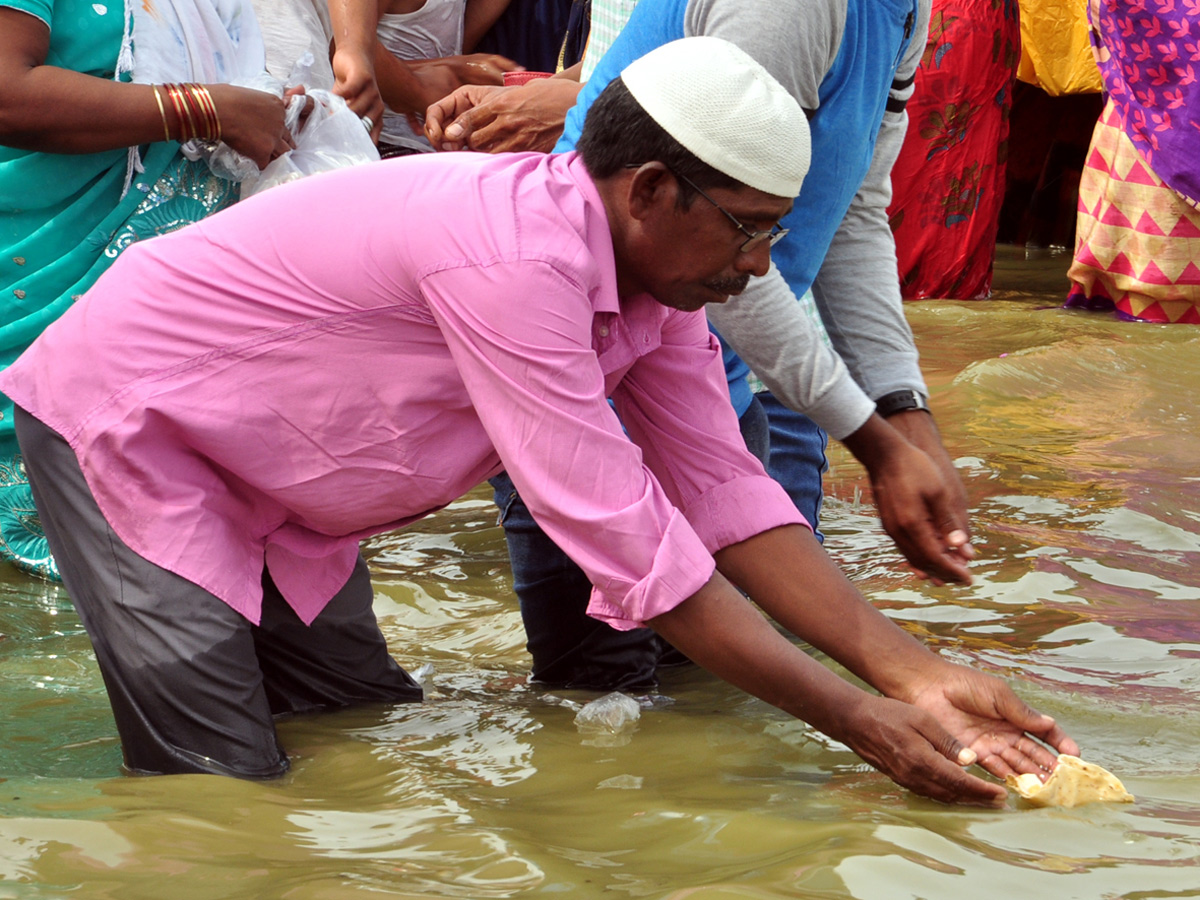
[(1072, 783)]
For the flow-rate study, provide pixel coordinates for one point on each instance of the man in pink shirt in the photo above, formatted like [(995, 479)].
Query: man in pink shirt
[(212, 429)]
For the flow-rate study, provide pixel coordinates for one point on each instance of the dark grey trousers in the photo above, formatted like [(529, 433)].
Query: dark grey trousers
[(194, 686)]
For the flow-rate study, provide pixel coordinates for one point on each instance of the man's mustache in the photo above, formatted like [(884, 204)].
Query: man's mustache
[(733, 285)]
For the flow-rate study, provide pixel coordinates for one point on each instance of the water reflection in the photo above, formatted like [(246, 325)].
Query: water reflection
[(1077, 436)]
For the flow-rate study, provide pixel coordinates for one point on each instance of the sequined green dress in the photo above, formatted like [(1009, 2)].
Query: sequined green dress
[(63, 220)]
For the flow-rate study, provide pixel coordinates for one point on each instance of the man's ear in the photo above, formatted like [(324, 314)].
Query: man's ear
[(652, 188)]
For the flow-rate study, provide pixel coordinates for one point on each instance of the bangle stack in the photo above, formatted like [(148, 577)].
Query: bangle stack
[(195, 110)]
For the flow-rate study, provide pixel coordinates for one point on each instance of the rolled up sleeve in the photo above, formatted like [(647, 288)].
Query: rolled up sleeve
[(674, 402), (520, 335)]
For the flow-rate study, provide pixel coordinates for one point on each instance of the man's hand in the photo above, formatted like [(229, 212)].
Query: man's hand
[(445, 114), (354, 74), (720, 630), (923, 512), (984, 714), (431, 81), (934, 718), (494, 120), (919, 428), (959, 717), (912, 748)]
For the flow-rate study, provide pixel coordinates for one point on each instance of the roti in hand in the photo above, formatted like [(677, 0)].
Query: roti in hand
[(1072, 783)]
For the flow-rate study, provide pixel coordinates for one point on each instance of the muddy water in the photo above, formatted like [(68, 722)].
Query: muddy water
[(1079, 440)]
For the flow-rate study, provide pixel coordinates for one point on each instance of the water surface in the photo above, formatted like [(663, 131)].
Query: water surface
[(1078, 439)]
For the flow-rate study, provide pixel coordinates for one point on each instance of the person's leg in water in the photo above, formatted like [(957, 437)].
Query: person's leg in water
[(569, 648), (194, 686)]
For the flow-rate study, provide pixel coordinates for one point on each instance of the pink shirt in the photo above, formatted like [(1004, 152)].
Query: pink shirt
[(344, 355)]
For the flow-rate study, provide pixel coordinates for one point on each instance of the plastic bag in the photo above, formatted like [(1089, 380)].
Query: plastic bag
[(223, 160), (612, 714), (332, 137)]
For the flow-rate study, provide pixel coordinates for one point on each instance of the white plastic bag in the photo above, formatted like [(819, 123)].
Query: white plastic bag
[(613, 713), (332, 137), (223, 160)]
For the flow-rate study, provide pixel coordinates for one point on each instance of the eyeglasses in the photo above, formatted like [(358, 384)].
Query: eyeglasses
[(753, 238)]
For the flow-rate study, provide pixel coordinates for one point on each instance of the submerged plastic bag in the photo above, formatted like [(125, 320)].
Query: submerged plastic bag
[(612, 714), (332, 137)]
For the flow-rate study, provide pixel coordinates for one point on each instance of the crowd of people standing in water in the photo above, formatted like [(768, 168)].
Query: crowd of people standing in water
[(208, 402)]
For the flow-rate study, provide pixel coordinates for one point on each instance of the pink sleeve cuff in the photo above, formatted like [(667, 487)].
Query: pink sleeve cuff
[(740, 509), (681, 567)]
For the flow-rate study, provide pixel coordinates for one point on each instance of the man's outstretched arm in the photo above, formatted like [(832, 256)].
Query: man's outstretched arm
[(934, 717)]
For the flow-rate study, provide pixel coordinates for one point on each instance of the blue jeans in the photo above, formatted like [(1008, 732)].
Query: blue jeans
[(572, 650), (797, 457)]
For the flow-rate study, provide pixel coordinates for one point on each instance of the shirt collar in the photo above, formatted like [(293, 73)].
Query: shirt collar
[(596, 233)]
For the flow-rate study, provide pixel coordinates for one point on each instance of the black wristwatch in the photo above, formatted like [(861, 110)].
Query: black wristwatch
[(900, 401)]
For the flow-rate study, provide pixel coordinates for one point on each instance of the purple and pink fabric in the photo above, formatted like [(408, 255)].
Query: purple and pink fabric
[(1137, 245)]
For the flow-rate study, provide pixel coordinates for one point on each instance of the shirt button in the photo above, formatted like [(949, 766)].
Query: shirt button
[(603, 331), (645, 338)]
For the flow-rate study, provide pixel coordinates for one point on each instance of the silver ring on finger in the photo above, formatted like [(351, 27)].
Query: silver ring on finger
[(368, 123)]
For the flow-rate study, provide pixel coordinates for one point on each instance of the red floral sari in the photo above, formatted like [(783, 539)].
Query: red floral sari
[(948, 183)]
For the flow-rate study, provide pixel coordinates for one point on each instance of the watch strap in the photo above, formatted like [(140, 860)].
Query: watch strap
[(900, 401)]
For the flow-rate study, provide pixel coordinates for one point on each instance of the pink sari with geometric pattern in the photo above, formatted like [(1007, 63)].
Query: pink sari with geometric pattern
[(1137, 244)]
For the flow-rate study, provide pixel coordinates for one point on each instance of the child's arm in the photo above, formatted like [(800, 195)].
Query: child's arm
[(480, 15), (353, 59), (411, 86), (401, 89)]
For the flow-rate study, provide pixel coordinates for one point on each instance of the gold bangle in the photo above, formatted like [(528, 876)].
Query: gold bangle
[(210, 111), (180, 114), (197, 103), (189, 130), (162, 112), (212, 107), (195, 116)]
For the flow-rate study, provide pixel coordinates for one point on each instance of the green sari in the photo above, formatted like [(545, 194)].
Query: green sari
[(63, 220)]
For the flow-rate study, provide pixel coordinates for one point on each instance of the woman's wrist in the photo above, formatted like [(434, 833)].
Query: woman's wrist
[(195, 112)]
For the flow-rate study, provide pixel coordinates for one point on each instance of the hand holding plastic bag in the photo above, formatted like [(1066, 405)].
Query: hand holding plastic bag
[(225, 158), (330, 138)]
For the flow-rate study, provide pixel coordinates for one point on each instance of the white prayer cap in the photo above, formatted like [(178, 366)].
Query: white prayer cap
[(726, 109)]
